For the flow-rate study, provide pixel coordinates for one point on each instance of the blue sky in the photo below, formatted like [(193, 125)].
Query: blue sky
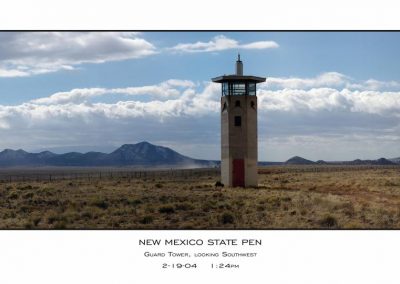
[(329, 95)]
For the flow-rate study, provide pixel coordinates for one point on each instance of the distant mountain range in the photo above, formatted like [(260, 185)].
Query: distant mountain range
[(142, 154), (382, 161)]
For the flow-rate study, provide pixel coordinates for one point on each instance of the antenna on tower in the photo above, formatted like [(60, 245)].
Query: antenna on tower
[(239, 66)]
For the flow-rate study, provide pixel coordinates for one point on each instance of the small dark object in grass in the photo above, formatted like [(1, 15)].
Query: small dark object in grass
[(103, 204), (147, 220), (227, 218), (166, 209), (328, 222), (135, 202), (13, 196), (260, 208), (219, 184)]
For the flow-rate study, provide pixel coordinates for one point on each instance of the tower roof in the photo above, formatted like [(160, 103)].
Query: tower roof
[(231, 78)]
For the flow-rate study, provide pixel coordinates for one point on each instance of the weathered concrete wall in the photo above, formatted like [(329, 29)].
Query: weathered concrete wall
[(239, 142), (251, 174)]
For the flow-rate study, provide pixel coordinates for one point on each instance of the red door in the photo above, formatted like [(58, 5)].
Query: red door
[(238, 173)]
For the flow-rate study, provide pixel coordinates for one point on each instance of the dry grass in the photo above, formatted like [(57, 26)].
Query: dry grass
[(345, 199)]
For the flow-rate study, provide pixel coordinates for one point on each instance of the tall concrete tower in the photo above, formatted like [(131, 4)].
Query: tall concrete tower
[(239, 128)]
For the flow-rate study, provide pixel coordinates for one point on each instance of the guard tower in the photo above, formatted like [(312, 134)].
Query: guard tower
[(239, 128)]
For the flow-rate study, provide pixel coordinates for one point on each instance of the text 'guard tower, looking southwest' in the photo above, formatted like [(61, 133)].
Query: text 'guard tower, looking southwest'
[(239, 128)]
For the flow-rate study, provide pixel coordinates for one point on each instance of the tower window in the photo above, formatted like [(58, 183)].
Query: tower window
[(252, 89), (238, 121), (225, 89), (252, 104), (238, 89), (237, 104)]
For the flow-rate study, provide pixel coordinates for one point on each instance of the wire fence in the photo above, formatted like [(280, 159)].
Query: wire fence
[(322, 168), (56, 175)]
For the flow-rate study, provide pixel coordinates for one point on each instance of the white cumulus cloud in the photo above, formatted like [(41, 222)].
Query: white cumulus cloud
[(173, 98), (167, 89), (31, 53), (221, 42), (329, 80), (188, 112), (328, 99)]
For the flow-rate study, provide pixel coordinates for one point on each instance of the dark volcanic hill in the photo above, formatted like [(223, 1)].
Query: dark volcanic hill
[(141, 154), (145, 153), (296, 160)]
